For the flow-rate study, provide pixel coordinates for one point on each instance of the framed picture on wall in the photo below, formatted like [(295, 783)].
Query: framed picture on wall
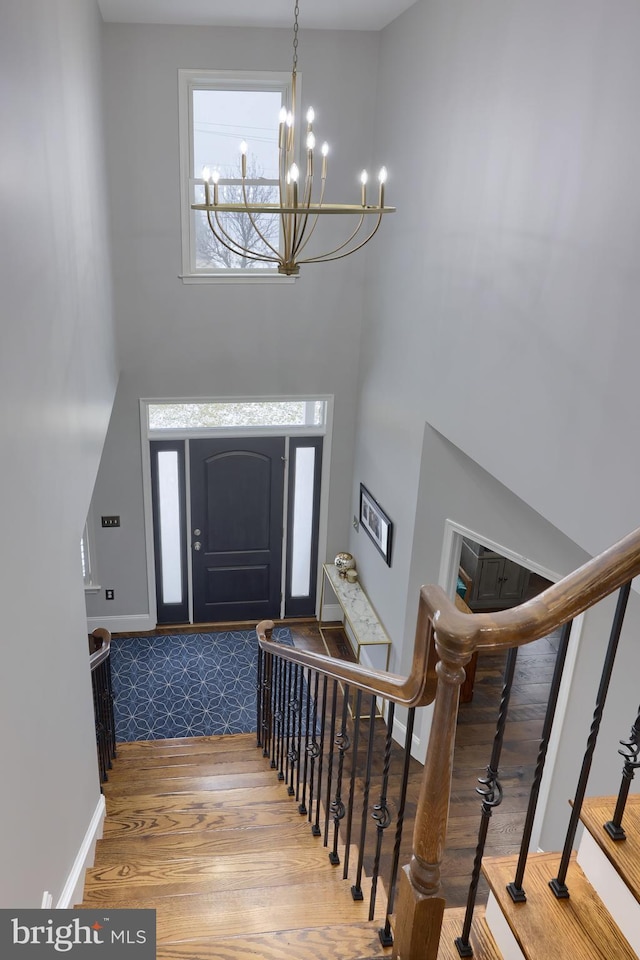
[(376, 523)]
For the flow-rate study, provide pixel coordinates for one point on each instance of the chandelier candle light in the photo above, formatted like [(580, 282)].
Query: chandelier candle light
[(297, 211)]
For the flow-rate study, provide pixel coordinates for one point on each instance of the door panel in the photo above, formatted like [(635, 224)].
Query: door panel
[(237, 489)]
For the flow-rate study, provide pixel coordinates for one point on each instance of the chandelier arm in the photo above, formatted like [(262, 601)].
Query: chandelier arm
[(302, 243), (254, 224), (326, 257), (236, 249), (346, 242)]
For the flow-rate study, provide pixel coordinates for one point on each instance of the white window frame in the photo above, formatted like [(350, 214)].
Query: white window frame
[(188, 81)]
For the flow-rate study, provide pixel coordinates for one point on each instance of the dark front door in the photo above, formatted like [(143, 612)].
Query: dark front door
[(237, 489)]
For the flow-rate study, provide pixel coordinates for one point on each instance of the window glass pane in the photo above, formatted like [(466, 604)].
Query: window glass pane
[(222, 119), (211, 253), (169, 515), (302, 521), (262, 413)]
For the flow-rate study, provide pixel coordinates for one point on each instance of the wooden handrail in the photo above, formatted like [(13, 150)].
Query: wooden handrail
[(456, 633), (416, 690), (446, 639), (102, 635)]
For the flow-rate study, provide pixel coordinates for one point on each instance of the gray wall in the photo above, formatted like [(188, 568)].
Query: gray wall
[(502, 297), (57, 381), (221, 340), (501, 300)]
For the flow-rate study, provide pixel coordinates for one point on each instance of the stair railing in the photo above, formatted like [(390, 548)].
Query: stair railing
[(100, 663), (446, 639)]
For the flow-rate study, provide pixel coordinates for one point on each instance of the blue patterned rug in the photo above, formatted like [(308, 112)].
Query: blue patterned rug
[(186, 685)]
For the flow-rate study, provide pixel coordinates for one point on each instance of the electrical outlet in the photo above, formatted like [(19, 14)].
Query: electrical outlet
[(109, 594)]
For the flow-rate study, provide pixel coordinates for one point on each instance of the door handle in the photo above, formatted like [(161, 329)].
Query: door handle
[(197, 545)]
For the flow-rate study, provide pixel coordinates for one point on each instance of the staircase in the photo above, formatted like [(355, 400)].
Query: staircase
[(201, 830), (599, 920)]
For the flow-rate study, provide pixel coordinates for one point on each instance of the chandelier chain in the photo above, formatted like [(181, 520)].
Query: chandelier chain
[(296, 12)]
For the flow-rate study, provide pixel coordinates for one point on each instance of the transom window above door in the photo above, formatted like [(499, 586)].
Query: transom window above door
[(198, 415)]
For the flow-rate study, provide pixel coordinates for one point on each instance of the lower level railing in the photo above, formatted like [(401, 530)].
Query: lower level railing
[(99, 646), (319, 722)]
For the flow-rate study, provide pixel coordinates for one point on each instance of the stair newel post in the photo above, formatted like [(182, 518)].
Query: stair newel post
[(630, 751), (315, 829), (515, 889), (332, 745), (338, 808), (352, 782), (558, 884), (381, 813), (420, 908), (385, 935), (490, 790), (356, 889)]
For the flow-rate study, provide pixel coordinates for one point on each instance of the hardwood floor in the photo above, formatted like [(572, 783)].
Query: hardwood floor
[(476, 730)]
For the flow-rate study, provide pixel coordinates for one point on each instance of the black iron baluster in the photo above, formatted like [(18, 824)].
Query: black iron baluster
[(302, 806), (287, 719), (315, 829), (337, 806), (381, 813), (385, 935), (279, 717), (313, 747), (356, 889), (332, 741), (515, 888), (352, 783), (558, 884), (267, 702), (300, 699), (490, 790), (630, 751), (259, 696), (294, 704)]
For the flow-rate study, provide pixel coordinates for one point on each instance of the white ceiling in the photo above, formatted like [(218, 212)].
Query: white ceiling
[(316, 14)]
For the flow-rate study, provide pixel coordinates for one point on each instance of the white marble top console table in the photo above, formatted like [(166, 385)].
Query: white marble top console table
[(365, 628)]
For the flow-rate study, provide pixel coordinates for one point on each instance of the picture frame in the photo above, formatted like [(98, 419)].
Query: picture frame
[(376, 523)]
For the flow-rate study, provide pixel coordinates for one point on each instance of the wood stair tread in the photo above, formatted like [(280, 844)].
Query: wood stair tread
[(150, 878), (190, 784), (201, 842), (174, 821), (254, 911), (184, 801), (357, 941), (200, 765), (481, 939), (185, 746), (579, 927), (624, 855)]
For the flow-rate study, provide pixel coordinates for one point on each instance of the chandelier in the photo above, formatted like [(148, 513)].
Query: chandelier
[(300, 199)]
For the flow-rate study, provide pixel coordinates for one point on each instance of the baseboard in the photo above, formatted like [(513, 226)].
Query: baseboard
[(73, 889), (332, 612), (400, 735), (138, 622)]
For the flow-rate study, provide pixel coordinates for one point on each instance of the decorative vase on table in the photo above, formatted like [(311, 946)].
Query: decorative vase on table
[(344, 562)]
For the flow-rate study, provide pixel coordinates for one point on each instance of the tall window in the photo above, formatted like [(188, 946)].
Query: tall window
[(218, 110)]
